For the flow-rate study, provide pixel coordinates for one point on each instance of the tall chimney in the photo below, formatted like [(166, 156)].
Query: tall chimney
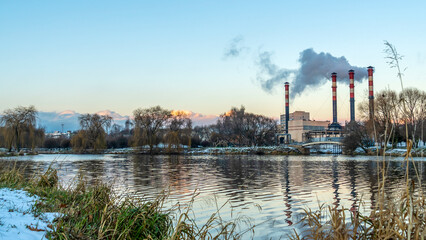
[(370, 92), (287, 110), (352, 94), (333, 87)]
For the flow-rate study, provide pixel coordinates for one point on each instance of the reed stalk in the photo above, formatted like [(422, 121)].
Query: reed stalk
[(95, 211)]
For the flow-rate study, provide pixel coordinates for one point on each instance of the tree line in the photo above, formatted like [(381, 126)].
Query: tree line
[(396, 116), (152, 129)]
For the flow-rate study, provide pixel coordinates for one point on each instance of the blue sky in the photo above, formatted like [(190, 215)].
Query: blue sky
[(89, 56)]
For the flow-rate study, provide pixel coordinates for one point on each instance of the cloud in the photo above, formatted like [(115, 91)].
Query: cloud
[(199, 119)]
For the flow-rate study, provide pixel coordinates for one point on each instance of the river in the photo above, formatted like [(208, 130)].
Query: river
[(269, 191)]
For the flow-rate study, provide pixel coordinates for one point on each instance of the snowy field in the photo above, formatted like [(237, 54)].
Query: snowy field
[(16, 219)]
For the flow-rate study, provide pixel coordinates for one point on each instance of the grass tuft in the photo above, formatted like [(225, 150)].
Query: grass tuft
[(94, 211), (391, 221), (11, 177)]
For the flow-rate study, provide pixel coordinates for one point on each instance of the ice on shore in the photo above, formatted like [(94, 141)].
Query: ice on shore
[(16, 219)]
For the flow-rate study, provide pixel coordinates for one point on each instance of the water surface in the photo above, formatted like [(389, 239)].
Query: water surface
[(271, 191)]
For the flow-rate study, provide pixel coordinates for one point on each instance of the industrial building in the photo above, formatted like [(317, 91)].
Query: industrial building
[(299, 124)]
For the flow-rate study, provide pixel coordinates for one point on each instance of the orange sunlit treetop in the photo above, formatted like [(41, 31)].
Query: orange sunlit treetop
[(183, 113)]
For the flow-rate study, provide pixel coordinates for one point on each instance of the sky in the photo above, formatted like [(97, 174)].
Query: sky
[(89, 56)]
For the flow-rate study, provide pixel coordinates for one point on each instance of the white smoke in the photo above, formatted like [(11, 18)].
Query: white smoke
[(315, 69), (235, 47)]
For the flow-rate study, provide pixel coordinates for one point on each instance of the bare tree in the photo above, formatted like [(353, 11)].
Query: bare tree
[(180, 129), (148, 123), (356, 136), (413, 100), (16, 122), (265, 129), (386, 114), (201, 135), (422, 119), (237, 127), (230, 126), (259, 130), (93, 132)]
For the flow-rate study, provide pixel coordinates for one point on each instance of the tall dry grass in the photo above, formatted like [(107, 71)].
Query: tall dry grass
[(95, 211), (402, 218)]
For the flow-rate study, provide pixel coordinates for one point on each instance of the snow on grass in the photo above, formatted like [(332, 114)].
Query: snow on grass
[(243, 150), (16, 219)]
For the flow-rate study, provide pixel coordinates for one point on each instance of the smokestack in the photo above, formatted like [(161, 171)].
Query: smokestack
[(287, 110), (370, 92), (352, 94), (334, 125), (333, 87)]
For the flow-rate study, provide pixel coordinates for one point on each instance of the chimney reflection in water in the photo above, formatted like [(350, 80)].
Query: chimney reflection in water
[(287, 198), (335, 184)]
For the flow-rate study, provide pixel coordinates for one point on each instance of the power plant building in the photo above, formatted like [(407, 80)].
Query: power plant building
[(299, 124)]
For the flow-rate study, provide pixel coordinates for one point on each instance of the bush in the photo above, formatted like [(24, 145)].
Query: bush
[(117, 142), (65, 143), (52, 143)]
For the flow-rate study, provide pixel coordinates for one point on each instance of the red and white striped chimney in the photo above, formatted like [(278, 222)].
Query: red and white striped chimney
[(287, 110), (370, 92), (333, 87), (352, 94)]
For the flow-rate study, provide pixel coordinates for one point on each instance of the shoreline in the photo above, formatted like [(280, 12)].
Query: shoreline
[(260, 151), (266, 150), (86, 210)]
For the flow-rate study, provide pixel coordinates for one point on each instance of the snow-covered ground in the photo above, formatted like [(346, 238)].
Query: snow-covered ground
[(242, 150), (16, 219), (417, 152)]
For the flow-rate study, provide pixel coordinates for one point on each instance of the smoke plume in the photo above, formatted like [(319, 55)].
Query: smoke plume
[(315, 69), (234, 49), (275, 75)]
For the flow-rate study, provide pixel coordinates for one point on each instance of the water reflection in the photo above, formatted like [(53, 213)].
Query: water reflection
[(287, 194), (281, 185)]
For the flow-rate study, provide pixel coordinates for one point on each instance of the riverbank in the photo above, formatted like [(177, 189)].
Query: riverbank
[(264, 150), (39, 208)]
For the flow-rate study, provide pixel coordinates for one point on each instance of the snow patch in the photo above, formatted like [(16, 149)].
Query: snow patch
[(17, 221)]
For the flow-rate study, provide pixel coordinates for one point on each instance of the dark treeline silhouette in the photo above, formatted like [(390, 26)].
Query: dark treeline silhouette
[(151, 130)]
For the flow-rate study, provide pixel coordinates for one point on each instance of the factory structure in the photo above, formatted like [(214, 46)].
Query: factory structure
[(298, 127)]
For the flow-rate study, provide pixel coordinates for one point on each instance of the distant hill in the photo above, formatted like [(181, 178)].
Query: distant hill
[(52, 121)]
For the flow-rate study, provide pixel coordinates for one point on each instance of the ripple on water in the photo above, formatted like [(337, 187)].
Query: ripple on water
[(271, 191)]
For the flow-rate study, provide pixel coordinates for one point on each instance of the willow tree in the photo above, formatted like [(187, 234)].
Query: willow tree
[(92, 134), (148, 123), (179, 130), (18, 121)]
